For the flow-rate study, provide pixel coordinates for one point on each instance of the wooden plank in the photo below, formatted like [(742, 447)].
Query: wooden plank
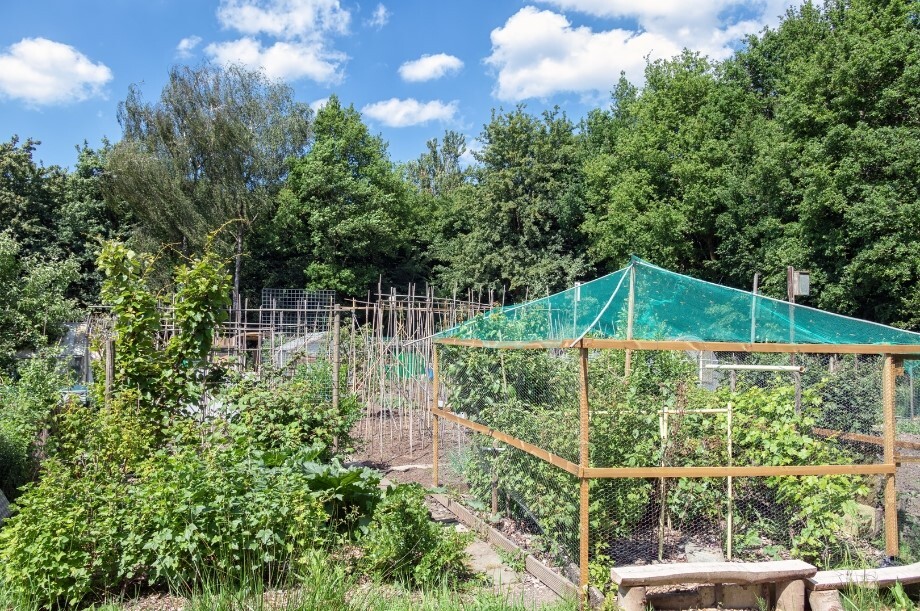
[(757, 347), (524, 345), (711, 572), (584, 484), (623, 344), (553, 580), (530, 448), (758, 471), (878, 441), (889, 379), (888, 576)]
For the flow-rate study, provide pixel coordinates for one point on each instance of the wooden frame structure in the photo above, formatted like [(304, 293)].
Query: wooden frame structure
[(893, 355)]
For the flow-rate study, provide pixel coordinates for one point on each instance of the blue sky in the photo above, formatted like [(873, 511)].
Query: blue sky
[(413, 68)]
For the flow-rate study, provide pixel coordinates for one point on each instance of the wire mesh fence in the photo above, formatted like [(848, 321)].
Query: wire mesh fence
[(659, 410)]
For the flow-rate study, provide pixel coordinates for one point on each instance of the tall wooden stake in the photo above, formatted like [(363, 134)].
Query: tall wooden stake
[(109, 368), (336, 360), (889, 378), (630, 313), (435, 421), (584, 462)]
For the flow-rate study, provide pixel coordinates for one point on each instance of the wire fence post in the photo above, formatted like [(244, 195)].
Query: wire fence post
[(584, 463), (891, 500)]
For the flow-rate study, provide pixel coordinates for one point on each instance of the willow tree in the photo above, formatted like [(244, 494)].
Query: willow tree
[(211, 152)]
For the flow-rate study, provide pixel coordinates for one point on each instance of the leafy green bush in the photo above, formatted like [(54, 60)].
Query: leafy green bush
[(403, 544), (26, 406), (110, 508), (281, 414)]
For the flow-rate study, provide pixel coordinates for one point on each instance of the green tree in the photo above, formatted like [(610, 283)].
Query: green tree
[(33, 304), (345, 217), (518, 223), (29, 205), (211, 151)]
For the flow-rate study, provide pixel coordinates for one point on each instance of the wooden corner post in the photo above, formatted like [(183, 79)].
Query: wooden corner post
[(435, 421), (584, 463), (630, 315), (889, 379)]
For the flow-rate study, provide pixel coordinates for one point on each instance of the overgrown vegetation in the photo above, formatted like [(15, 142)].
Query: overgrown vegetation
[(149, 488)]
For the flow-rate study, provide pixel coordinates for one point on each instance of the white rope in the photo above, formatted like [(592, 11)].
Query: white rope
[(626, 271)]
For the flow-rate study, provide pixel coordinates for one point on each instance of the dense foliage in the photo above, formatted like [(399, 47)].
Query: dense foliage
[(800, 149), (181, 476), (527, 393)]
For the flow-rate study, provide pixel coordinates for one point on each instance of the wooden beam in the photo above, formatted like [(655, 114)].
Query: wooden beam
[(530, 448), (623, 344), (889, 379), (758, 471), (871, 439)]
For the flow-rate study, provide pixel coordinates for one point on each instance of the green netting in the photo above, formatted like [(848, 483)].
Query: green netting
[(665, 305)]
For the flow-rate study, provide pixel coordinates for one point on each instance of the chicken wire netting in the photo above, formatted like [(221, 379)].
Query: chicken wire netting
[(680, 409)]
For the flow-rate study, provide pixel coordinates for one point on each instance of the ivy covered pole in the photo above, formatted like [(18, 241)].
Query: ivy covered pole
[(889, 379), (584, 483)]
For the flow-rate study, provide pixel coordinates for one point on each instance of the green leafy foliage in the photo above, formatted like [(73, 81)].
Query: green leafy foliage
[(166, 377), (403, 544), (34, 303), (288, 413), (527, 393), (344, 217), (28, 402)]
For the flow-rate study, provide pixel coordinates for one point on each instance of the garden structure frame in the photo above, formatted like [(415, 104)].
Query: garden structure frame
[(645, 308)]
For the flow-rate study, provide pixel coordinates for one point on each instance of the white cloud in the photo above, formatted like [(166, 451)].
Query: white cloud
[(187, 45), (404, 113), (282, 60), (429, 67), (537, 53), (286, 19), (380, 17), (318, 105), (43, 72), (298, 34)]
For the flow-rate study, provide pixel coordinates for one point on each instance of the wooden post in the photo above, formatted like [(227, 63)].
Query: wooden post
[(584, 542), (336, 359), (109, 368), (729, 518), (435, 421), (889, 377), (911, 378), (630, 314)]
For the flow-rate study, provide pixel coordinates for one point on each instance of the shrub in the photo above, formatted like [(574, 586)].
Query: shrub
[(280, 414), (403, 544), (27, 406)]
